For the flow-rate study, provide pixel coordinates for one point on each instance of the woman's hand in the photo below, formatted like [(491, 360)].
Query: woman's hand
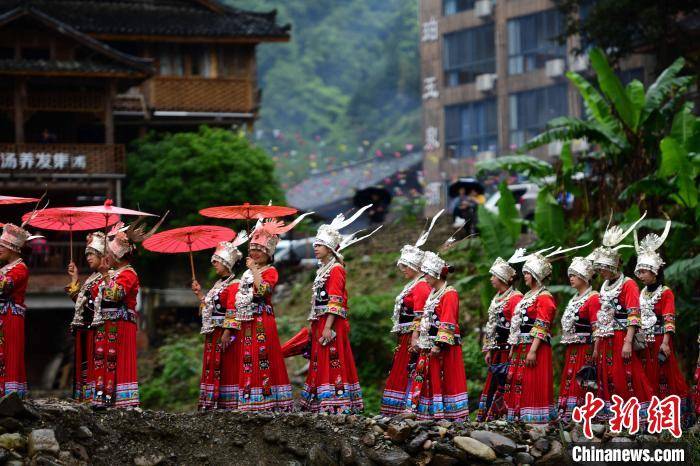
[(197, 289), (665, 348), (627, 350), (531, 359), (226, 338), (326, 336), (487, 358), (73, 272), (250, 263), (435, 350)]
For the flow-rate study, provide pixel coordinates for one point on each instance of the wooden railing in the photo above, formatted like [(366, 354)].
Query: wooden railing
[(201, 94), (54, 256), (62, 158), (64, 101)]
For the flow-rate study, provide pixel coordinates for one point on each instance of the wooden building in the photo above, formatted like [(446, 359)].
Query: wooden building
[(80, 79)]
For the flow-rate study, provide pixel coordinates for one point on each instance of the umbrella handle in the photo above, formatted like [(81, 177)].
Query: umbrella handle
[(70, 233), (189, 246)]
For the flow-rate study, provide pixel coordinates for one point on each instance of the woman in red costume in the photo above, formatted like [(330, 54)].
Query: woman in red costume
[(115, 320), (263, 383), (577, 324), (619, 369), (84, 296), (218, 387), (438, 384), (657, 304), (496, 348), (14, 276), (407, 307), (331, 384), (696, 388)]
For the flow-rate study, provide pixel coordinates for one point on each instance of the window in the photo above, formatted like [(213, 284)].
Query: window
[(532, 41), (200, 61), (170, 60), (469, 53), (234, 61), (530, 111), (471, 128), (450, 7)]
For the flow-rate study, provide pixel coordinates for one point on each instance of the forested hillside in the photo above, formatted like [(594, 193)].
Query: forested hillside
[(346, 86)]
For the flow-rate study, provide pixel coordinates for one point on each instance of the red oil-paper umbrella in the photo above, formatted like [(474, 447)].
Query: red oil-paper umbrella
[(4, 200), (61, 219), (248, 212), (188, 239)]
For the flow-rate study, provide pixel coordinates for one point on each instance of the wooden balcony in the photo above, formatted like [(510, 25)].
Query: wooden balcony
[(195, 94), (53, 159)]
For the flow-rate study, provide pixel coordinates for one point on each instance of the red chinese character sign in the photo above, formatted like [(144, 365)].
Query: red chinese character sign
[(662, 415)]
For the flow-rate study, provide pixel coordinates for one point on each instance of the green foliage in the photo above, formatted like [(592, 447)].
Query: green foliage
[(527, 165), (185, 172), (174, 383), (549, 218), (349, 74), (622, 26)]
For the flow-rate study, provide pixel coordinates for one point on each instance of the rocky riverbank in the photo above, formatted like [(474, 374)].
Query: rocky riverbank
[(60, 432)]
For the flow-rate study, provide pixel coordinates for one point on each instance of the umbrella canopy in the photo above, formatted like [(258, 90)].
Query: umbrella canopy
[(186, 239), (248, 211), (16, 200), (61, 219), (468, 184), (297, 344), (107, 209)]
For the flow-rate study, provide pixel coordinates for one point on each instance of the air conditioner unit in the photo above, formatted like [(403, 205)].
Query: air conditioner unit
[(486, 82), (554, 148), (579, 145), (483, 8), (579, 63), (555, 68), (485, 155)]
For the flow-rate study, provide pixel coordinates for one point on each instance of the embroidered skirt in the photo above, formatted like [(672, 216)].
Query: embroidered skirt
[(13, 374), (491, 403), (116, 379), (332, 385), (84, 364), (438, 386), (529, 390), (696, 388), (571, 394), (617, 376), (395, 391), (666, 378), (263, 383), (218, 387)]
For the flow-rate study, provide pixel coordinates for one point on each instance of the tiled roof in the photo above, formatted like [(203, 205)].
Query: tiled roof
[(157, 17)]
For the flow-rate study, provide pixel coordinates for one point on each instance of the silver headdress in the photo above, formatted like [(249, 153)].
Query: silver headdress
[(647, 257), (582, 267), (606, 256), (412, 255), (538, 265), (329, 235), (227, 251)]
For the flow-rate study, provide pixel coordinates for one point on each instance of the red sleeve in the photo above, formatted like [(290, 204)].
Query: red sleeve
[(14, 279), (668, 311), (629, 295), (420, 294), (592, 308), (337, 297), (230, 316), (223, 296), (510, 306), (545, 309), (268, 281), (629, 298), (449, 319)]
